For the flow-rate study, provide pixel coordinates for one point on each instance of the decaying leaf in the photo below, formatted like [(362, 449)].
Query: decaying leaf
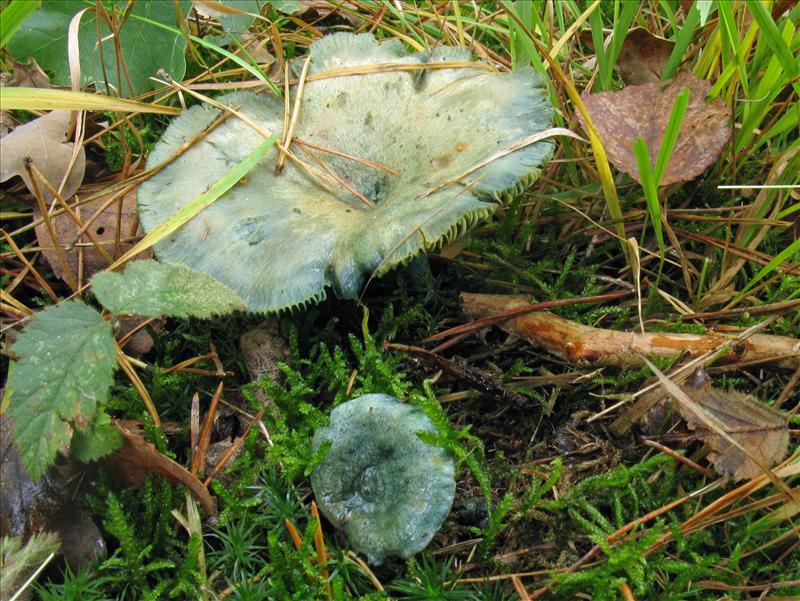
[(643, 57), (643, 112), (43, 143), (7, 123), (104, 229), (761, 430), (137, 458), (23, 75)]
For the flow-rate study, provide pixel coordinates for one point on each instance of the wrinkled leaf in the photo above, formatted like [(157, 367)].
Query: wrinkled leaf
[(43, 142), (145, 47), (643, 112), (643, 57), (117, 219), (66, 365), (153, 289), (137, 458), (761, 430)]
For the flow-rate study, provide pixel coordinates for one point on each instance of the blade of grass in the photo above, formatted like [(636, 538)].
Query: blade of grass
[(775, 41), (523, 39), (622, 22), (651, 176), (607, 57), (671, 134), (771, 266), (650, 190), (600, 51), (40, 99), (520, 46), (682, 41), (604, 170), (13, 16), (200, 202)]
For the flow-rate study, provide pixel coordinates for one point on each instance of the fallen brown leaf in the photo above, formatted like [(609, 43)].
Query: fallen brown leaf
[(137, 458), (643, 57), (643, 112), (763, 432), (104, 229), (23, 75), (43, 142), (7, 123)]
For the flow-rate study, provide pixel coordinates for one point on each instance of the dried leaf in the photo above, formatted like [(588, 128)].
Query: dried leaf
[(103, 228), (643, 112), (255, 45), (643, 57), (137, 458), (43, 142), (7, 123), (25, 76), (758, 428)]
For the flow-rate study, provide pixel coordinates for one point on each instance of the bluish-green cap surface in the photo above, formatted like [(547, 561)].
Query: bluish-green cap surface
[(379, 482), (279, 241)]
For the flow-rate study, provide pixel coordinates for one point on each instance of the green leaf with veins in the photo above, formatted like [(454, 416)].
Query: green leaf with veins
[(153, 289), (66, 366), (145, 48)]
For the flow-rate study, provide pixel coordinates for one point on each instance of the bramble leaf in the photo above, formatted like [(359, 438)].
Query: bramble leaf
[(67, 359), (153, 289)]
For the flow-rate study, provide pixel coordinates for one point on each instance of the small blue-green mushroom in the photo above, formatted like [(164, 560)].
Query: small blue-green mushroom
[(379, 482)]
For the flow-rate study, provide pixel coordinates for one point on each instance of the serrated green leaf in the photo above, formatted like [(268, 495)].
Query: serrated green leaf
[(153, 289), (66, 365), (97, 441), (145, 49)]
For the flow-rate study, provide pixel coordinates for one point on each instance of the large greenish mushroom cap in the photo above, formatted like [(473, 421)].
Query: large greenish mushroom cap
[(280, 240), (387, 489)]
